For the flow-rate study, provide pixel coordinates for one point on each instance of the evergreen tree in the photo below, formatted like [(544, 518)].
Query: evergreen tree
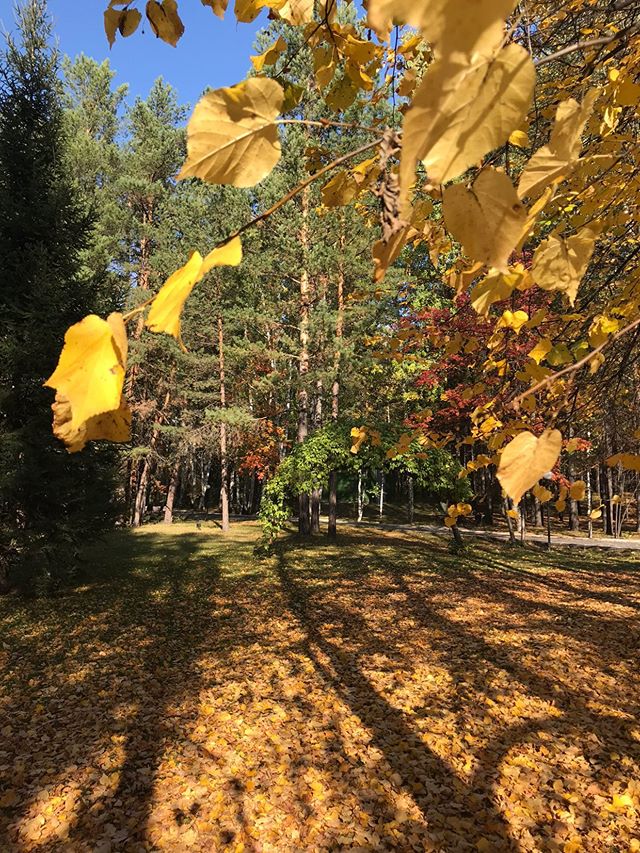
[(46, 496)]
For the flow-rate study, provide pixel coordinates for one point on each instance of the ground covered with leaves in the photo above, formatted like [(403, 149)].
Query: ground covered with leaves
[(380, 693)]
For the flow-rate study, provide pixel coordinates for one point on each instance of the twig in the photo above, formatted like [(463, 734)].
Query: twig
[(325, 122), (572, 368)]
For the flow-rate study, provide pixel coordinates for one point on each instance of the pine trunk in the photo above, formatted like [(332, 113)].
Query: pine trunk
[(335, 388), (171, 494), (140, 506), (224, 463), (304, 519)]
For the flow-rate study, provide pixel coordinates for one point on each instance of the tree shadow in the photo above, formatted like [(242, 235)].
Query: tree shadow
[(122, 708), (442, 797)]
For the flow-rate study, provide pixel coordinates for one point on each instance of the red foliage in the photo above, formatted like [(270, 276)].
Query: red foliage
[(260, 454)]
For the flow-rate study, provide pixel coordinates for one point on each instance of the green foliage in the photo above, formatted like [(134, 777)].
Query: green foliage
[(329, 449)]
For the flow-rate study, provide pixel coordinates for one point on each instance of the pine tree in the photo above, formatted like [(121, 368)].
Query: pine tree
[(46, 496)]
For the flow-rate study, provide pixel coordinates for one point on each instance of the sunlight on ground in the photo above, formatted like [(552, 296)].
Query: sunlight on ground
[(378, 693)]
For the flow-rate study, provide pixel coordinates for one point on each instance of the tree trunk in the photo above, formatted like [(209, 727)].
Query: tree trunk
[(589, 505), (410, 508), (224, 463), (141, 492), (574, 517), (171, 494), (304, 520), (507, 507), (538, 512), (335, 388), (333, 504), (381, 497), (360, 497), (5, 583), (316, 499), (611, 525), (316, 494)]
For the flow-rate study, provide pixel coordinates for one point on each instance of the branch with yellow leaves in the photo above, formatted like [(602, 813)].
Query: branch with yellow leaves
[(573, 368)]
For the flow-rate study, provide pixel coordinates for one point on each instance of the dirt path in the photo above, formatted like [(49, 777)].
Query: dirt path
[(539, 538)]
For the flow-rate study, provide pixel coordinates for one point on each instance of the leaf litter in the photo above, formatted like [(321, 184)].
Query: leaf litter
[(379, 693)]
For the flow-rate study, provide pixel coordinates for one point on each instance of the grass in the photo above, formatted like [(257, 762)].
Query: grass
[(379, 693)]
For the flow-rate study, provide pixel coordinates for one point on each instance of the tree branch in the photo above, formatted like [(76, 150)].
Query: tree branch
[(572, 368), (581, 45)]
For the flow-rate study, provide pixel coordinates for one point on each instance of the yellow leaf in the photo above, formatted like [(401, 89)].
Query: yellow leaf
[(124, 21), (559, 263), (248, 10), (227, 255), (601, 328), (494, 288), (450, 521), (558, 355), (297, 12), (540, 350), (621, 802), (342, 94), (165, 21), (407, 84), (560, 505), (109, 426), (595, 514), (219, 6), (512, 513), (340, 190), (112, 19), (386, 253), (466, 27), (464, 108), (525, 459), (630, 461), (573, 845), (577, 490), (232, 137), (486, 219), (512, 320), (519, 138), (90, 371), (543, 494), (628, 93), (129, 22), (270, 56), (166, 308), (554, 161)]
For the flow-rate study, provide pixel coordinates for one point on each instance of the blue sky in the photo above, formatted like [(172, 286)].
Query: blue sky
[(210, 53)]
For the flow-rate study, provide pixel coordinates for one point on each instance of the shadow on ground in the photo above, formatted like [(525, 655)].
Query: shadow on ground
[(379, 693)]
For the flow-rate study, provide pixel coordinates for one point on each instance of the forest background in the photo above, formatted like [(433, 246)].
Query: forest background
[(300, 353)]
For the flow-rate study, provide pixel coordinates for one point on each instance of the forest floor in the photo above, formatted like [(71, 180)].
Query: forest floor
[(378, 693)]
